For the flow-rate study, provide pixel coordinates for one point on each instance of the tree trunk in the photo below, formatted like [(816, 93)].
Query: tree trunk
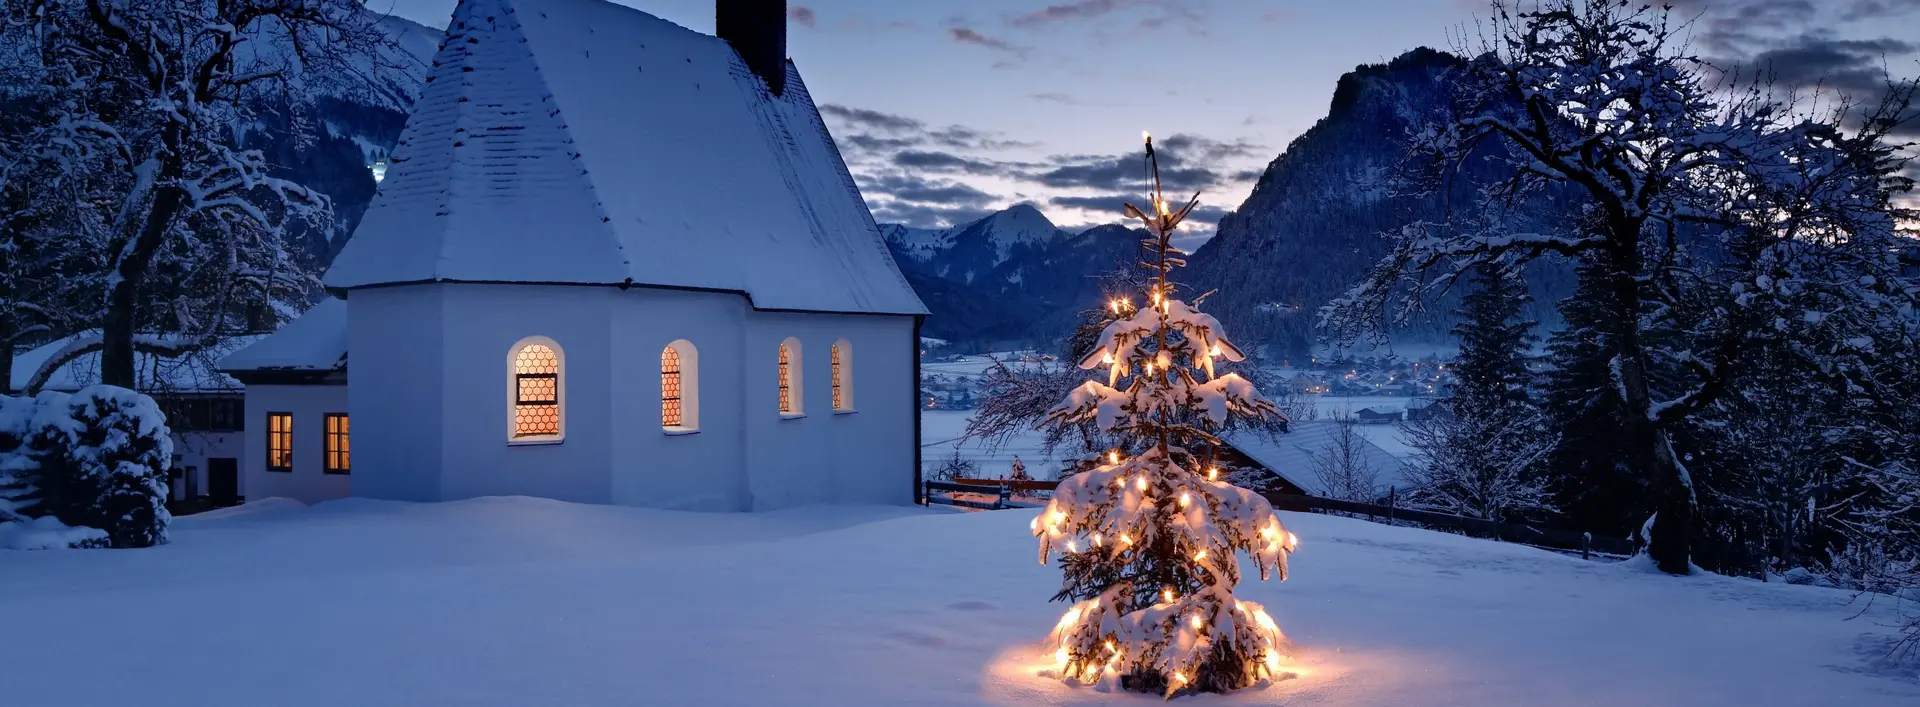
[(118, 326), (1672, 488)]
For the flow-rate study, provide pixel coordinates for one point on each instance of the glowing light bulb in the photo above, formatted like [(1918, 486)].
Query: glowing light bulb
[(1213, 473), (1166, 594), (1111, 648), (1057, 516), (1201, 555), (1195, 620), (1106, 357), (1143, 483), (1179, 678), (1060, 657), (1073, 546), (1096, 540), (1126, 539), (1184, 499), (1273, 660), (1293, 540), (1215, 351), (1146, 136), (1113, 457)]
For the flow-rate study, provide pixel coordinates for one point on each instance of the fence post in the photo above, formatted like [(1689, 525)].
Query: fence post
[(1586, 544)]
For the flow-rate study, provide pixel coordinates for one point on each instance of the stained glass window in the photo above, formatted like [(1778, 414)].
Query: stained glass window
[(670, 411), (536, 382)]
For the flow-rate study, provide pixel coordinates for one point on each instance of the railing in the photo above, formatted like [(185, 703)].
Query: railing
[(1586, 544)]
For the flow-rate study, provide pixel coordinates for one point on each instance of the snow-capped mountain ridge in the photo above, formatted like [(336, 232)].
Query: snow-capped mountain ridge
[(966, 251)]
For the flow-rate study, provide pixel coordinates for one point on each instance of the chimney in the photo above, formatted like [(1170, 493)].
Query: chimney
[(757, 29)]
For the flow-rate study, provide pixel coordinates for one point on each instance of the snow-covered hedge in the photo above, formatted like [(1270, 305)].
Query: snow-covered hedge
[(96, 459)]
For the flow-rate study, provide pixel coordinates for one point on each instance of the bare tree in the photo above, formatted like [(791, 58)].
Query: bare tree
[(1600, 98), (187, 217), (1342, 467)]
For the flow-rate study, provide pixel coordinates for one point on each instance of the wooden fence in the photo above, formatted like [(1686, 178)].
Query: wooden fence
[(1005, 492)]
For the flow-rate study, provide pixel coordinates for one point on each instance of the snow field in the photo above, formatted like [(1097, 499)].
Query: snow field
[(516, 601)]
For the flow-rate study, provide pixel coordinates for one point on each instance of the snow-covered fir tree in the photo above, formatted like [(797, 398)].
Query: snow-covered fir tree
[(1485, 448), (1019, 471), (1149, 538)]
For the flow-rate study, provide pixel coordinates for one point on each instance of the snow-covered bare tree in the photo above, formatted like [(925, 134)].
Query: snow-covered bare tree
[(190, 224), (1149, 541), (1703, 195), (1341, 468), (1485, 448)]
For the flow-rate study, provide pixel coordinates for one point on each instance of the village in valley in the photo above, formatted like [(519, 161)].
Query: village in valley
[(582, 352)]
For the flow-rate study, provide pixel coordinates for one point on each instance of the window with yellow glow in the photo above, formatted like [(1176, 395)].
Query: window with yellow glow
[(670, 410), (842, 355), (279, 441), (786, 379), (536, 391), (338, 450)]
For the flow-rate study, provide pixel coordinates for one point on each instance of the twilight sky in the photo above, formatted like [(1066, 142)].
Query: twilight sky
[(949, 110)]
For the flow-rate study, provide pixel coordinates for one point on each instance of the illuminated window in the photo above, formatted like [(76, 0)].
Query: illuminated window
[(792, 388), (786, 379), (680, 387), (279, 441), (842, 355), (537, 390), (338, 451), (670, 387)]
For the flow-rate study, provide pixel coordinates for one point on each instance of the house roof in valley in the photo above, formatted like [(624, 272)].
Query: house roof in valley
[(583, 142), (1291, 454), (314, 342)]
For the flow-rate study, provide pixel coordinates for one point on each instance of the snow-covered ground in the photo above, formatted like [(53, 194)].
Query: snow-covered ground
[(514, 601)]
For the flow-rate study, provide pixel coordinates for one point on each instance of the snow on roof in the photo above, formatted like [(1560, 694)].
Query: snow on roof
[(316, 341), (192, 373), (1291, 454), (579, 141)]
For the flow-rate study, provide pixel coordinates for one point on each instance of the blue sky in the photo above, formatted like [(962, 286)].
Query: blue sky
[(948, 110)]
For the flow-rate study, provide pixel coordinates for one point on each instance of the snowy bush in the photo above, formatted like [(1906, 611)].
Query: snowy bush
[(96, 459)]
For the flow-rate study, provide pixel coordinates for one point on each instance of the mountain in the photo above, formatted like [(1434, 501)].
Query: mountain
[(967, 251), (1311, 228), (1009, 279)]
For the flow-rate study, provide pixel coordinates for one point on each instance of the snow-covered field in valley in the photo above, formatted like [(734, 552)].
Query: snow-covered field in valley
[(515, 601)]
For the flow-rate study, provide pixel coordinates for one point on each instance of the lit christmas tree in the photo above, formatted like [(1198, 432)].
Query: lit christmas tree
[(1149, 543)]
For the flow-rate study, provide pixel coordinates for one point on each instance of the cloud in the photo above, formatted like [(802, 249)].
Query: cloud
[(937, 192), (1810, 59), (862, 117), (1169, 11), (1070, 11), (803, 15), (1185, 165), (922, 215), (967, 35)]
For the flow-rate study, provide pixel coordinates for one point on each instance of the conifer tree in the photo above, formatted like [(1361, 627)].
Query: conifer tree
[(1486, 449), (1149, 538), (1593, 474)]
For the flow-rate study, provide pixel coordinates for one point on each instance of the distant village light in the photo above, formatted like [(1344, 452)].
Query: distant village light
[(379, 169)]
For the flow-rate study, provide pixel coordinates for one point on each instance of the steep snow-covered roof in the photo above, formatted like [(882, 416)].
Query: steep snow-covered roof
[(1291, 454), (316, 341), (579, 141), (191, 373)]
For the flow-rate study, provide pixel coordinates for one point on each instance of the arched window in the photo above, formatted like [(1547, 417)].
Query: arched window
[(536, 391), (842, 376), (791, 380), (680, 387)]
